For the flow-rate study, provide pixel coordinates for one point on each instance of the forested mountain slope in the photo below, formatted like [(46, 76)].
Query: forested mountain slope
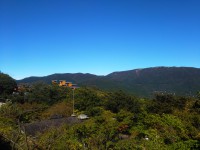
[(143, 82)]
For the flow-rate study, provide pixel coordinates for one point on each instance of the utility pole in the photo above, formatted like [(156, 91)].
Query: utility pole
[(73, 114)]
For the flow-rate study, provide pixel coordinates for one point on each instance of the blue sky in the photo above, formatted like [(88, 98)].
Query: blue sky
[(42, 37)]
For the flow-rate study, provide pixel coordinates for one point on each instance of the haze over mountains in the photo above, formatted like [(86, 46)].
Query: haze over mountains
[(141, 82)]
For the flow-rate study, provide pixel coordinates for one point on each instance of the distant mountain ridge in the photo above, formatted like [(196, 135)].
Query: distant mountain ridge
[(142, 82)]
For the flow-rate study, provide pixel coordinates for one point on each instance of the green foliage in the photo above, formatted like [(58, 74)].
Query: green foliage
[(48, 139), (119, 100), (198, 95), (86, 99), (44, 93), (167, 103), (125, 119), (128, 145), (7, 84), (196, 105), (63, 109), (39, 93), (185, 145), (10, 110), (170, 128), (7, 125), (94, 111)]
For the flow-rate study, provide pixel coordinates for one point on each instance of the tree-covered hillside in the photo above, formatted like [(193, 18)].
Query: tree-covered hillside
[(7, 84), (141, 82), (39, 117)]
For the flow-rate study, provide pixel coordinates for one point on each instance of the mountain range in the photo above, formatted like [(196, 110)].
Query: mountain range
[(140, 82)]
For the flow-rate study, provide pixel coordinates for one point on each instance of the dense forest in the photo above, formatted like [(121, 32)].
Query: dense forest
[(117, 120)]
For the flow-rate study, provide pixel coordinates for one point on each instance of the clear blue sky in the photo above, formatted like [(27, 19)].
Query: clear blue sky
[(42, 37)]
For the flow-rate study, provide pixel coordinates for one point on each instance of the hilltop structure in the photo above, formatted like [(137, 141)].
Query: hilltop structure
[(63, 83)]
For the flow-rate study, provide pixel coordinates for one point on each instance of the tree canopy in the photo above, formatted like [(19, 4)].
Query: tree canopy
[(7, 84)]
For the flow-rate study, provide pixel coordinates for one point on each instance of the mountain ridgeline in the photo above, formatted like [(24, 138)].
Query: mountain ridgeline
[(141, 82)]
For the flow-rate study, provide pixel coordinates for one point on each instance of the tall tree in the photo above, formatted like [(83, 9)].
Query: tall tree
[(7, 84)]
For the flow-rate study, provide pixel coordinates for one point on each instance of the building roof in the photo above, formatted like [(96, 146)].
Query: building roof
[(33, 128), (83, 116)]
